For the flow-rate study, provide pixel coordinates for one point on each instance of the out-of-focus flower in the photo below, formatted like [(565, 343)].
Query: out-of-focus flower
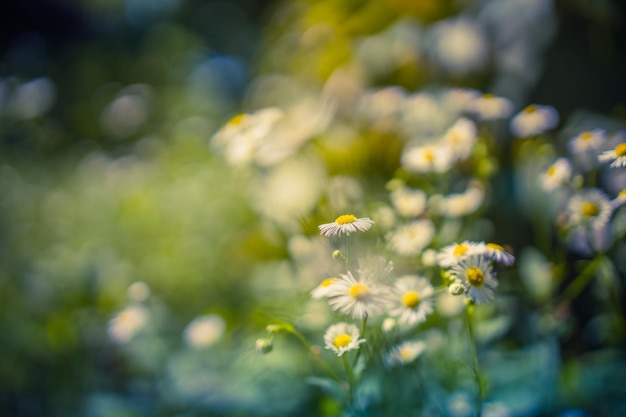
[(322, 289), (619, 199), (408, 202), (590, 207), (462, 204), (616, 156), (342, 337), (460, 138), (124, 326), (476, 274), (533, 120), (499, 254), (589, 141), (346, 224), (491, 107), (428, 158), (411, 300), (357, 298), (556, 175), (460, 99), (404, 353), (459, 45), (429, 257), (383, 107), (138, 291), (389, 324), (456, 252), (204, 331), (264, 345), (411, 238)]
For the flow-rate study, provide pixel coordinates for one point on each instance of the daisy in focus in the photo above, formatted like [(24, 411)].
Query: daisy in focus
[(475, 273), (533, 120), (412, 300), (346, 224), (404, 353), (616, 156), (357, 298), (342, 337)]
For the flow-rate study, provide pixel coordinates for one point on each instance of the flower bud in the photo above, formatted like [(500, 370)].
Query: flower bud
[(456, 288), (337, 254), (264, 345)]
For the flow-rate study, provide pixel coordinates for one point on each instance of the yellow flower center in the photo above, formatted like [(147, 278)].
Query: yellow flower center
[(237, 119), (345, 219), (488, 95), (411, 299), (495, 246), (460, 250), (551, 170), (358, 290), (475, 276), (406, 353), (586, 136), (327, 282), (589, 209), (622, 193), (530, 109), (620, 150), (342, 340), (429, 155)]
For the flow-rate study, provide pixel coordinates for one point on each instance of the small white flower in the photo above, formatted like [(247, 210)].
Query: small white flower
[(499, 254), (460, 138), (590, 207), (126, 323), (322, 289), (619, 200), (617, 156), (533, 120), (462, 204), (556, 175), (412, 300), (389, 324), (589, 141), (490, 107), (410, 239), (476, 274), (428, 158), (204, 331), (357, 298), (346, 224), (342, 337), (456, 252), (459, 45), (408, 202), (404, 353)]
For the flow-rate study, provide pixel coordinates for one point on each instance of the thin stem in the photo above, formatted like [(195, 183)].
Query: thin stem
[(348, 376), (347, 257), (358, 352), (581, 281), (479, 385), (308, 347)]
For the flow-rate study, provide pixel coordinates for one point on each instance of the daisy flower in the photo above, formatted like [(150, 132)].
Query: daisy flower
[(587, 141), (346, 224), (557, 174), (428, 158), (357, 298), (619, 200), (476, 274), (456, 252), (616, 156), (410, 239), (404, 353), (408, 202), (128, 322), (411, 300), (342, 337), (591, 207), (460, 138), (463, 204), (499, 254), (491, 107), (322, 289), (533, 120)]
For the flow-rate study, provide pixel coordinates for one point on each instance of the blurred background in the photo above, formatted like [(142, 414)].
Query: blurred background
[(138, 265)]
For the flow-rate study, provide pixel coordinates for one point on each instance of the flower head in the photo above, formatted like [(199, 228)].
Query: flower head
[(590, 207), (342, 337), (491, 107), (557, 174), (588, 141), (460, 138), (412, 300), (358, 298), (476, 274), (533, 120), (499, 254), (410, 239), (456, 252), (322, 289), (428, 158), (408, 202), (404, 353), (616, 156), (204, 331), (346, 224)]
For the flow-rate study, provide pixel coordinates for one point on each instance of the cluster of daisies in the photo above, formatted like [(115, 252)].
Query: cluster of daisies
[(404, 301)]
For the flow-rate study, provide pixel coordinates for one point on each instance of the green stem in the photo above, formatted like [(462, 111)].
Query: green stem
[(348, 376), (358, 352), (581, 281), (347, 257), (308, 347), (480, 395)]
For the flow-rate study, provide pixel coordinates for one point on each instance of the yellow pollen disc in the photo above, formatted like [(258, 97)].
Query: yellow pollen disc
[(495, 246), (530, 109), (237, 119), (460, 250), (342, 340), (475, 276), (586, 135), (488, 95), (345, 219), (429, 155), (622, 193), (589, 209), (620, 150), (551, 170), (327, 282), (405, 353), (411, 299), (358, 290)]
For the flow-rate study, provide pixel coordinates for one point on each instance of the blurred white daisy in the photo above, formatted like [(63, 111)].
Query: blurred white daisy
[(459, 45), (587, 141), (342, 337), (460, 99), (204, 331), (619, 199), (408, 202), (346, 224), (591, 207), (556, 175), (462, 204), (499, 254), (456, 252), (460, 138), (428, 158), (476, 274), (410, 239), (357, 298), (322, 289), (374, 269), (491, 107), (533, 120), (616, 156), (126, 323), (412, 300), (404, 353)]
